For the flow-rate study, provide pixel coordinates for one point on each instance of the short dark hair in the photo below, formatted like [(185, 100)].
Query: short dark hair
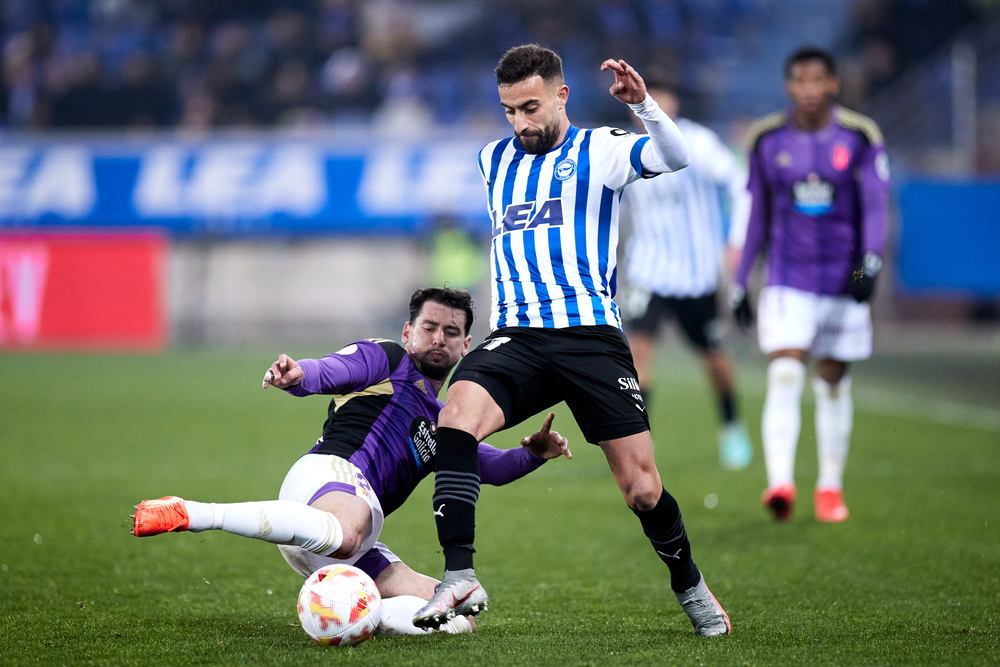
[(522, 62), (809, 53), (459, 299), (656, 82)]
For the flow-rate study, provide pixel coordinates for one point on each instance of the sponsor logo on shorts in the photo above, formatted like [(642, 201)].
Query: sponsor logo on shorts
[(496, 342), (631, 386), (362, 484)]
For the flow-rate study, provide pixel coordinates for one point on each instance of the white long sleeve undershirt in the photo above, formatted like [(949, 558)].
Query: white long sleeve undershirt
[(666, 149)]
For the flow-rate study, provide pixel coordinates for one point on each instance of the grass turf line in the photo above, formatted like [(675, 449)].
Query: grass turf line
[(911, 578)]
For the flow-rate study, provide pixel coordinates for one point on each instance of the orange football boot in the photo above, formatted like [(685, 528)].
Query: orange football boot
[(779, 500), (165, 515), (830, 507)]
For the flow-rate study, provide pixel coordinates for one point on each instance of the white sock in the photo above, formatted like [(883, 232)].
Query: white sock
[(397, 618), (275, 521), (834, 420), (782, 418)]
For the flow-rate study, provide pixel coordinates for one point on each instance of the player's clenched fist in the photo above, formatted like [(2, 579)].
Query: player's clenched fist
[(283, 373)]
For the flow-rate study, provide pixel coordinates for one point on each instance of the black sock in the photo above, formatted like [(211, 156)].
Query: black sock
[(727, 403), (664, 527), (456, 490)]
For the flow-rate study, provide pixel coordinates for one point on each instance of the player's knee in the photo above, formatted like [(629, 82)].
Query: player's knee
[(450, 416), (350, 545), (642, 494)]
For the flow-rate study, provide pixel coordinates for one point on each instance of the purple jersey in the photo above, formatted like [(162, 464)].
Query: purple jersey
[(819, 200), (382, 420)]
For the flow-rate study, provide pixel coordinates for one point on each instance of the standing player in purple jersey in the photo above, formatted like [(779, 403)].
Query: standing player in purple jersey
[(377, 445), (819, 184), (553, 192)]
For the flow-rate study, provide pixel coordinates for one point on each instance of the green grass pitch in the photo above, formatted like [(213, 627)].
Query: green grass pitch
[(912, 578)]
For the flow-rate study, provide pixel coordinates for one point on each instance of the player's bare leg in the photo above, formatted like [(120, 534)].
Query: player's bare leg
[(780, 427), (834, 420), (469, 415), (632, 464), (735, 450)]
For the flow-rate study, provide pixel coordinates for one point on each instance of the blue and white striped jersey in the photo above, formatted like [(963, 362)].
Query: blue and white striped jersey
[(555, 227), (675, 221)]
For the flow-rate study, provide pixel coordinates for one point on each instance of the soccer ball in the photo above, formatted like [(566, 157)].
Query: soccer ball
[(339, 605)]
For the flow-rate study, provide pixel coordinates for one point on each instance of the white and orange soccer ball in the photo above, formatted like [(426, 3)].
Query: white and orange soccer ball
[(339, 605)]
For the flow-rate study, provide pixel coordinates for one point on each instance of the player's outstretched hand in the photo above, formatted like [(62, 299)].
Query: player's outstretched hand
[(547, 443), (863, 275), (739, 302), (283, 373), (628, 86)]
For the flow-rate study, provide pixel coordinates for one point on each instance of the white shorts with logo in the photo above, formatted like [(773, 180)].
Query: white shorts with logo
[(835, 327), (315, 475)]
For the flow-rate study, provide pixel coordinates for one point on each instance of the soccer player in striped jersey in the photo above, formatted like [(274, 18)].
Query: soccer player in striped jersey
[(553, 192), (673, 259), (377, 445), (819, 181)]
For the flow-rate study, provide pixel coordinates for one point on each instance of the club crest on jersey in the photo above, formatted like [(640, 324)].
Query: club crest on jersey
[(530, 214), (565, 169), (840, 157), (813, 196)]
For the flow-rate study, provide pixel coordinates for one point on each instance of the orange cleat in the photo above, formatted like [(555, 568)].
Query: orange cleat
[(779, 500), (166, 515), (830, 507)]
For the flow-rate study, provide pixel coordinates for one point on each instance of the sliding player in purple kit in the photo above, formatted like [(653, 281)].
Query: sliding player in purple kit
[(819, 184), (553, 194), (377, 445)]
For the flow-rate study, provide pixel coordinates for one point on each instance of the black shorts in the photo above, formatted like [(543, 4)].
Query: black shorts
[(698, 317), (528, 370)]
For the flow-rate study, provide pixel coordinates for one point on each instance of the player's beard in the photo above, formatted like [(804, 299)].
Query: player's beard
[(431, 368), (540, 141)]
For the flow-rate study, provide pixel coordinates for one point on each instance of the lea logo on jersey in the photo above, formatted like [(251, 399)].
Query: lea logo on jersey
[(530, 214), (813, 196)]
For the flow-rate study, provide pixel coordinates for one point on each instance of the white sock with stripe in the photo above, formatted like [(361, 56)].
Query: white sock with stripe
[(834, 421), (782, 418), (275, 521)]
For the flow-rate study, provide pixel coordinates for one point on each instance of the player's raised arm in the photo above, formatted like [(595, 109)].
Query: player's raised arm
[(283, 373), (666, 150)]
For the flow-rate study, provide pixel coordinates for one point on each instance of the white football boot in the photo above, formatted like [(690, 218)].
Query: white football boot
[(707, 615), (458, 594)]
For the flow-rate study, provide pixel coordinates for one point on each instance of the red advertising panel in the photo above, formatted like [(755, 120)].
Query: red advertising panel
[(76, 291)]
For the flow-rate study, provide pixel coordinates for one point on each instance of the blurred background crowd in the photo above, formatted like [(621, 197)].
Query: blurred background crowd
[(263, 63), (338, 135)]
